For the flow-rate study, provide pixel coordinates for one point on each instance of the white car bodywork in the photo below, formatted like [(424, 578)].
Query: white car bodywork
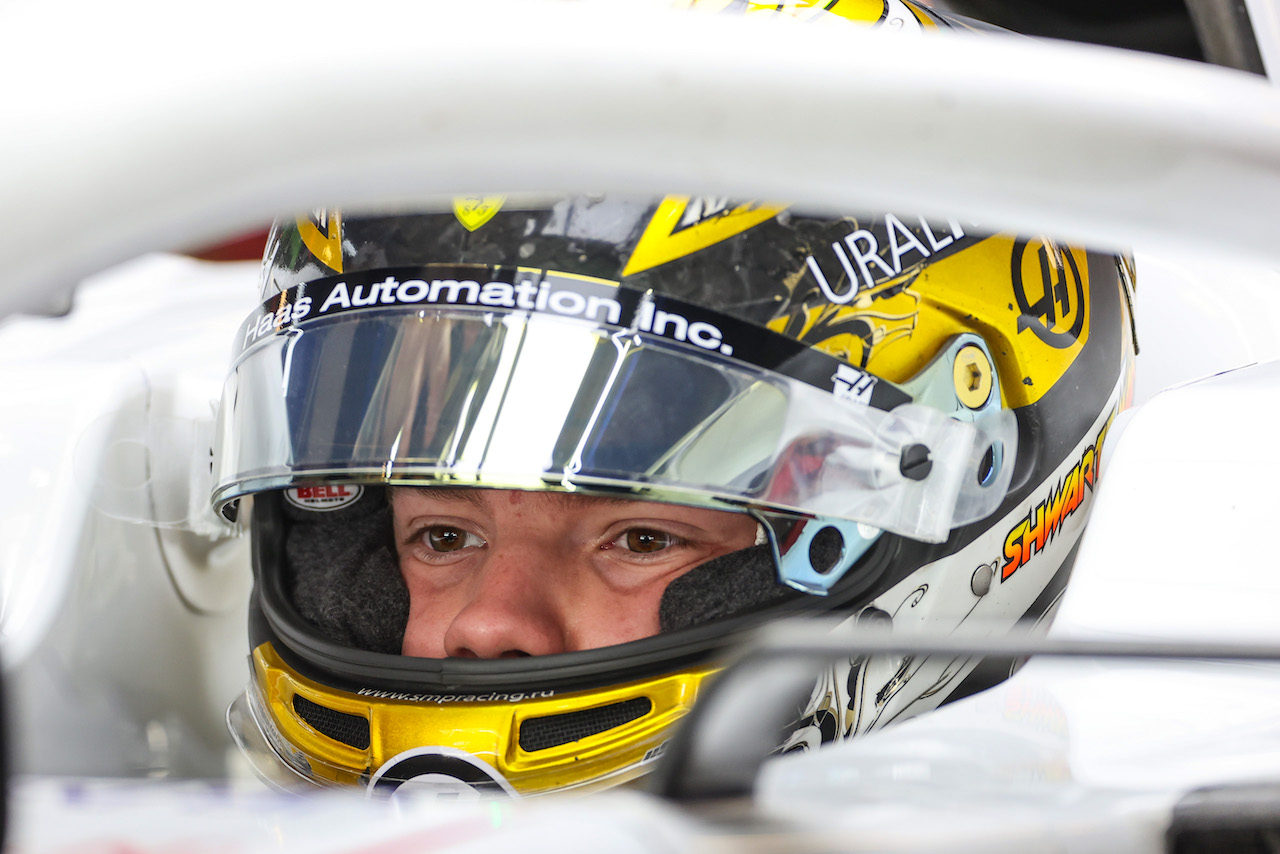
[(124, 642)]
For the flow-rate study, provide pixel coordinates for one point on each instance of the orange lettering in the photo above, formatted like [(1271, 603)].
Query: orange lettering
[(1013, 550)]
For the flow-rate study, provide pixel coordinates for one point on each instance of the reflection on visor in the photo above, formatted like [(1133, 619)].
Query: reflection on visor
[(519, 400)]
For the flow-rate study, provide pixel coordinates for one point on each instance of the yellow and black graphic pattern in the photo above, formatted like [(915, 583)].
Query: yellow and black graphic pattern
[(321, 233), (682, 225), (1027, 297), (878, 317)]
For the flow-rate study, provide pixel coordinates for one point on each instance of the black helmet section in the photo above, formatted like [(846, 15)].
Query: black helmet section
[(748, 260)]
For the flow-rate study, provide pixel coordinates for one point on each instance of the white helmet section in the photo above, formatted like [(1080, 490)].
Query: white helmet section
[(865, 694)]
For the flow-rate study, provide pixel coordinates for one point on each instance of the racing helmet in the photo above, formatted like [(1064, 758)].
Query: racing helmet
[(910, 410)]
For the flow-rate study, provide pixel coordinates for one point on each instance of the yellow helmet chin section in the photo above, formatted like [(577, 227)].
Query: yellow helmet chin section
[(1027, 297), (522, 742)]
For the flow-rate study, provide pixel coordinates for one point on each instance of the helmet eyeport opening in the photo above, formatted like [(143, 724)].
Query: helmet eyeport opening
[(826, 549), (987, 468)]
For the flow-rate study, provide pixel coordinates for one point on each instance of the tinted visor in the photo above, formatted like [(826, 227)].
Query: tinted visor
[(538, 400)]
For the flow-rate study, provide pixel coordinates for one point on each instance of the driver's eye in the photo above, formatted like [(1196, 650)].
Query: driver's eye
[(446, 538), (646, 540)]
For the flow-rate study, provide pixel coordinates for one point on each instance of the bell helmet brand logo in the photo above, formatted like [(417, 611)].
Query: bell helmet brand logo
[(329, 496)]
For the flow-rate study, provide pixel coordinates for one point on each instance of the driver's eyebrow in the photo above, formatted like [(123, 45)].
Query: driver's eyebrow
[(475, 495), (446, 493)]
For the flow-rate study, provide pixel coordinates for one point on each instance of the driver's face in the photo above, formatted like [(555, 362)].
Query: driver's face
[(495, 573)]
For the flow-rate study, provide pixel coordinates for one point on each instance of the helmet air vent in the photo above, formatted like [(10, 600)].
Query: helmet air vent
[(349, 729), (554, 730)]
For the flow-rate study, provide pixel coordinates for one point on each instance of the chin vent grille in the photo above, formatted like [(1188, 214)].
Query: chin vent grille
[(555, 730), (340, 726)]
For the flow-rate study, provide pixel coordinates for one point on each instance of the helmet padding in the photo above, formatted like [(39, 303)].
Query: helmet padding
[(345, 578), (727, 586)]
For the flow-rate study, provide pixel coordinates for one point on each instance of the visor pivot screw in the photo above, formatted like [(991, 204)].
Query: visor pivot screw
[(874, 619), (915, 463), (972, 375), (980, 584)]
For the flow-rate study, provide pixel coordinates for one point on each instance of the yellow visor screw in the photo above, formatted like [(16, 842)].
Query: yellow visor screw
[(972, 376)]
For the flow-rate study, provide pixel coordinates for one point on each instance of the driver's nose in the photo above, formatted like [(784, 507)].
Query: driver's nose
[(515, 609)]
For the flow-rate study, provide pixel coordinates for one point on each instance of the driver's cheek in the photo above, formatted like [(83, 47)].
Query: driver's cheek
[(520, 602)]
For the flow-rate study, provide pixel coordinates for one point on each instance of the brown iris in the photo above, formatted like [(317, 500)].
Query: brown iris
[(443, 538), (645, 540)]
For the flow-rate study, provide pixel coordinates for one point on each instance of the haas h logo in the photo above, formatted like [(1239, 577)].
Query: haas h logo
[(1050, 292)]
